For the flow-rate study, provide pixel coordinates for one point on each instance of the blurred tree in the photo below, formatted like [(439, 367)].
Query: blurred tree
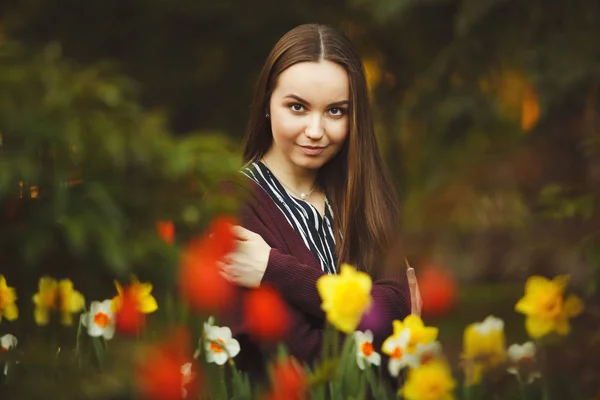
[(85, 173)]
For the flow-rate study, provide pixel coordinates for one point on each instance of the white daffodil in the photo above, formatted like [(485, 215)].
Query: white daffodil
[(364, 349), (207, 325), (396, 347), (424, 352), (522, 361), (186, 377), (490, 325), (8, 342), (219, 344), (100, 320)]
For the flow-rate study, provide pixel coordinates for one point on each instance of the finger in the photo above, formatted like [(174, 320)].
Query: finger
[(412, 286), (419, 299), (226, 260), (241, 233), (229, 278), (222, 265)]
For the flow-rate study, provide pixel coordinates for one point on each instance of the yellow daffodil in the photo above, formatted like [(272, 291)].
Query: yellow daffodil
[(8, 296), (431, 381), (545, 308), (345, 297), (419, 333), (395, 347), (146, 303), (402, 345), (483, 348), (54, 295)]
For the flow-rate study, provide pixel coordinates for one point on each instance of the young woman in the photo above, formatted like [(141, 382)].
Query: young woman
[(321, 195)]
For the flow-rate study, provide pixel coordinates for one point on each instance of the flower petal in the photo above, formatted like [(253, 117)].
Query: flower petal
[(375, 358), (360, 361), (537, 327), (40, 315), (148, 305), (573, 306), (11, 312), (233, 347)]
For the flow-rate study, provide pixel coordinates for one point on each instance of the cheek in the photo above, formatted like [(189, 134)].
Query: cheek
[(337, 131), (285, 127)]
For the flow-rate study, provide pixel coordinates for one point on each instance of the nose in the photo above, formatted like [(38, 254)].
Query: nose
[(314, 130)]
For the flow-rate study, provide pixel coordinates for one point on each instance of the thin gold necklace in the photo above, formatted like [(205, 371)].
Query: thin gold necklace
[(303, 196)]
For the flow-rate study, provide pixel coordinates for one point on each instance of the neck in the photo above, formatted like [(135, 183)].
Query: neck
[(298, 179)]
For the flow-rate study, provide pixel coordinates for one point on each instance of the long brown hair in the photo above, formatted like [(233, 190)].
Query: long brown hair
[(356, 180)]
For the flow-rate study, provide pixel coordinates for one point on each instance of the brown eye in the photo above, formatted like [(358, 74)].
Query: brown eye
[(337, 112), (297, 107)]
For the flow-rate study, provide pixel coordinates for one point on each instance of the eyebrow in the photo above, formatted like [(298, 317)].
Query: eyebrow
[(301, 100)]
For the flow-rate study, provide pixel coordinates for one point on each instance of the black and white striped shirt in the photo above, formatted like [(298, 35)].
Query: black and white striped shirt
[(315, 230)]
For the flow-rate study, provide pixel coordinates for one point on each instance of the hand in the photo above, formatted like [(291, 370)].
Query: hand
[(415, 295), (246, 266)]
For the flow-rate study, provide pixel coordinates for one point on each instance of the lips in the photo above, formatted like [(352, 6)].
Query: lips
[(312, 150)]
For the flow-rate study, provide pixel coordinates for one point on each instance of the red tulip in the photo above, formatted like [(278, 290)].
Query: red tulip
[(128, 318), (289, 381), (200, 282), (161, 374), (266, 314), (438, 291), (221, 236), (166, 230)]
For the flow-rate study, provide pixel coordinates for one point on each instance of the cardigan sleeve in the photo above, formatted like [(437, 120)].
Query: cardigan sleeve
[(298, 285), (296, 281)]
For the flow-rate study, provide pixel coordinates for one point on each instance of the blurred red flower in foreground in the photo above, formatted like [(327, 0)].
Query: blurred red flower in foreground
[(200, 283), (289, 381), (163, 373), (438, 291), (166, 230), (128, 318), (266, 314), (130, 304)]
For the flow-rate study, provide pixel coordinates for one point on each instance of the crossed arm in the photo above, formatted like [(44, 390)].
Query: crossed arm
[(254, 262)]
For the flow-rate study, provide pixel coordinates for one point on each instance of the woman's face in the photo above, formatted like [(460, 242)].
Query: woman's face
[(309, 113)]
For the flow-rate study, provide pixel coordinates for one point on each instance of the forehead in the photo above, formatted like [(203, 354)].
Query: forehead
[(316, 82)]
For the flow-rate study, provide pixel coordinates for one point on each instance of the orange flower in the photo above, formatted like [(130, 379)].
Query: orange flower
[(289, 380), (166, 230), (200, 282), (160, 372), (266, 314), (530, 109)]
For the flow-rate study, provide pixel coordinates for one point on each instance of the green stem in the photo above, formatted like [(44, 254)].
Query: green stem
[(543, 361), (100, 352), (371, 380), (467, 392), (78, 341), (521, 387), (222, 381), (336, 343), (326, 340)]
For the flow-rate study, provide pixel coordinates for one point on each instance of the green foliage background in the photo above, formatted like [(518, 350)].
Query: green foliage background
[(122, 113)]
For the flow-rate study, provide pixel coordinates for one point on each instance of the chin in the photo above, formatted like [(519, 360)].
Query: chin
[(310, 162)]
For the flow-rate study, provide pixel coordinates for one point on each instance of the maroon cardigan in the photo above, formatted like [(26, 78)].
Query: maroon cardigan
[(293, 270)]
